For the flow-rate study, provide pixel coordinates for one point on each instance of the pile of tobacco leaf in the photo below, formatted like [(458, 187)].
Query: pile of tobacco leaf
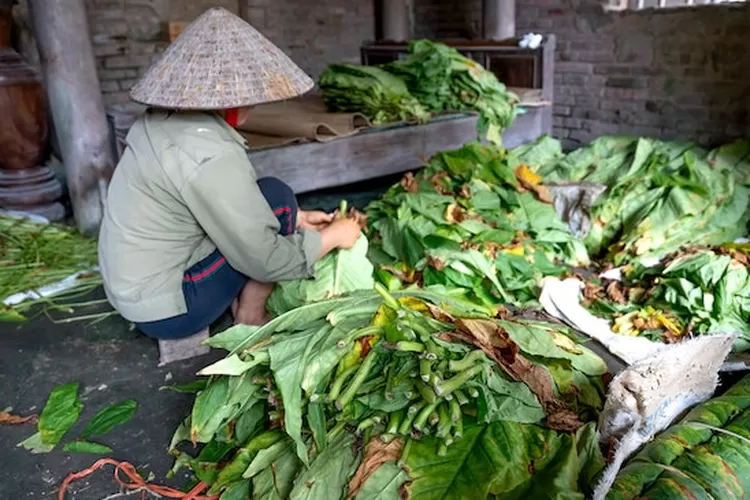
[(415, 394), (377, 94), (696, 291), (475, 219), (659, 195), (35, 256), (444, 80), (432, 78), (413, 366)]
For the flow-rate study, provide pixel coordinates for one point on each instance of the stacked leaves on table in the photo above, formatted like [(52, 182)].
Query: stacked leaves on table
[(442, 79), (475, 219), (377, 94), (432, 78), (354, 397)]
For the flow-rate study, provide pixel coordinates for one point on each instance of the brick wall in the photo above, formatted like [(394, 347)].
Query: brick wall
[(314, 33), (666, 73), (128, 35)]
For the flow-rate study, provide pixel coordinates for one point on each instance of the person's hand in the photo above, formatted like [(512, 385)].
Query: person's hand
[(344, 232), (314, 220)]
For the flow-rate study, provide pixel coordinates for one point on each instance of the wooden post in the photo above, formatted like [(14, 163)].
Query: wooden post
[(499, 19), (67, 59), (396, 20)]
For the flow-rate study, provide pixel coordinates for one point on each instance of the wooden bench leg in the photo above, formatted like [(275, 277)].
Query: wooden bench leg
[(181, 349)]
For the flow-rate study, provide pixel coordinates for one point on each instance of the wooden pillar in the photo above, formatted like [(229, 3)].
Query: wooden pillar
[(499, 19), (67, 58), (396, 20)]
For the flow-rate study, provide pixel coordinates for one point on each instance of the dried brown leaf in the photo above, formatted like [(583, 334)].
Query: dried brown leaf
[(497, 344), (616, 292), (410, 183), (10, 419), (376, 454)]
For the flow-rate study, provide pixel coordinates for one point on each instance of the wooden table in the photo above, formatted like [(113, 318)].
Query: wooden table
[(384, 151)]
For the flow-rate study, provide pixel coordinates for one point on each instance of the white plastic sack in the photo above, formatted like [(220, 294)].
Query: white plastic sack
[(660, 382), (652, 393)]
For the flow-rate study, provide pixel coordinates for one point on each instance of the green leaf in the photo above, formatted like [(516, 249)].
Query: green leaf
[(505, 459), (384, 484), (109, 418), (287, 356), (205, 408), (231, 337), (60, 413), (237, 491), (276, 481), (189, 388), (231, 365), (337, 273), (327, 476), (506, 400), (266, 457), (82, 446), (35, 445)]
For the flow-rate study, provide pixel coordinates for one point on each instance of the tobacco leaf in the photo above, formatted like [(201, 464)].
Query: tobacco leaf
[(376, 454), (497, 344)]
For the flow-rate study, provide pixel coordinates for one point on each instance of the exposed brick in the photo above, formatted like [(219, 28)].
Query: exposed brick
[(574, 67), (117, 74), (110, 86), (626, 83), (127, 61)]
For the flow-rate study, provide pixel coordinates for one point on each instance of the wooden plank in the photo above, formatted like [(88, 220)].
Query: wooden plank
[(62, 34), (313, 166)]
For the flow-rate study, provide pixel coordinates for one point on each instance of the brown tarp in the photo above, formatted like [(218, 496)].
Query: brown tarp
[(298, 120)]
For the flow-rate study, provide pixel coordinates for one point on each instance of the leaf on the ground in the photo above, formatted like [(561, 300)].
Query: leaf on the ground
[(60, 413), (189, 388), (86, 447), (109, 418), (376, 454), (7, 418), (384, 484), (326, 477), (35, 445)]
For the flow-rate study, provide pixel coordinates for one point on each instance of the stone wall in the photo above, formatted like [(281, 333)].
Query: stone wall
[(669, 73), (129, 34)]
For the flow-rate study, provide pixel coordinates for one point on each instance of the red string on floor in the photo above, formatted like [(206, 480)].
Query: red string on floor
[(136, 482)]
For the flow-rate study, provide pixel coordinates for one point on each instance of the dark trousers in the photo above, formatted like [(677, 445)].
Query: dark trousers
[(212, 284)]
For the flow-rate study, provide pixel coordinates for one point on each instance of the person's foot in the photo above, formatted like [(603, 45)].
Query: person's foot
[(250, 308)]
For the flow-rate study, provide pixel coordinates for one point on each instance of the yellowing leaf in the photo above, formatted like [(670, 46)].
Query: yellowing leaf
[(414, 304), (526, 177), (514, 251)]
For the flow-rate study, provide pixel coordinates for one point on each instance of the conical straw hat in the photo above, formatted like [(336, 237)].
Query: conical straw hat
[(220, 62)]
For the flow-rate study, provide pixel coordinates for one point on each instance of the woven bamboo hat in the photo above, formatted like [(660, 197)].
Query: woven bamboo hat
[(220, 62)]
